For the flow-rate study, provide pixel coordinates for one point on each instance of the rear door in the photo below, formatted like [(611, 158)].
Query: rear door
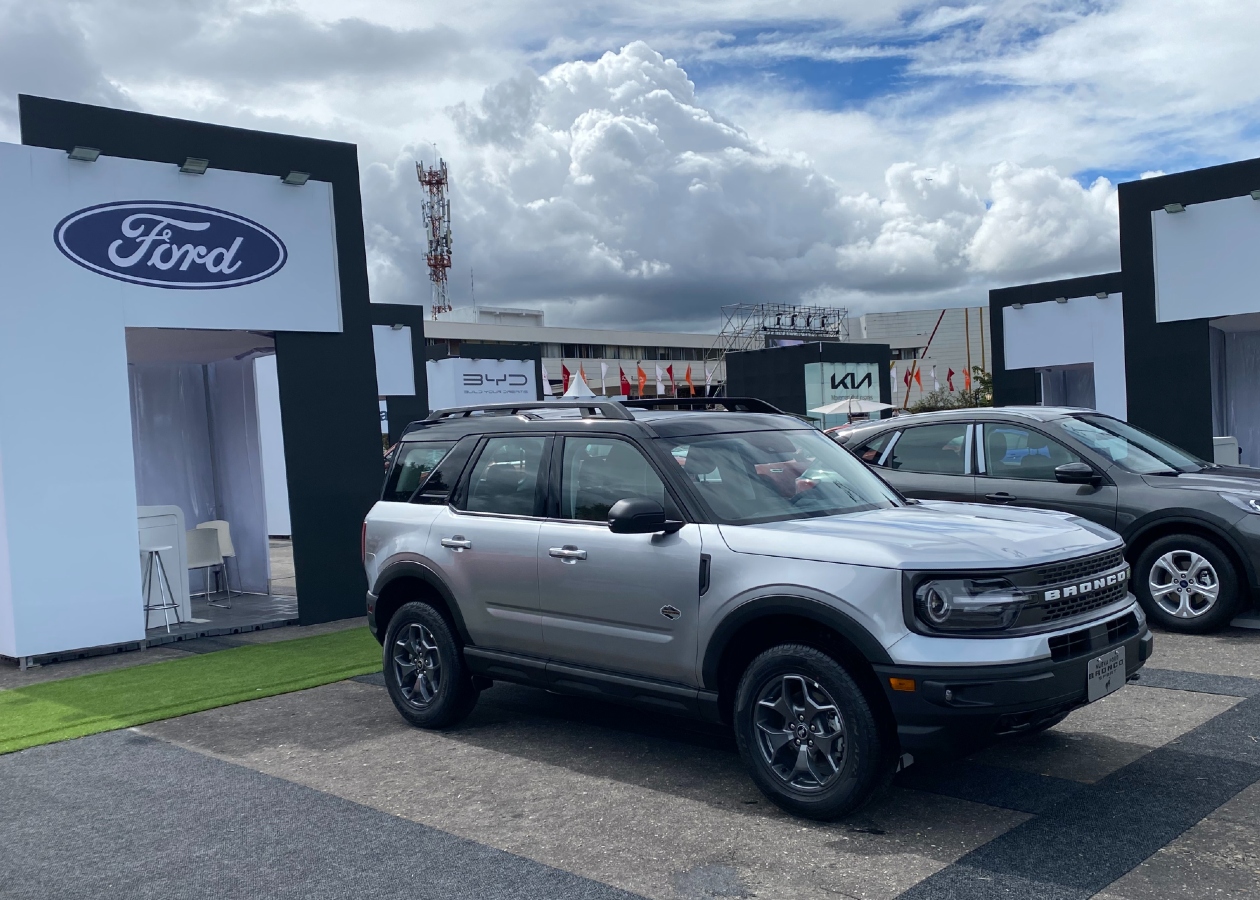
[(930, 462), (1016, 466)]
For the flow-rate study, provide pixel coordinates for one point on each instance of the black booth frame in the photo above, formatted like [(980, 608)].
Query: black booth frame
[(330, 414), (777, 374)]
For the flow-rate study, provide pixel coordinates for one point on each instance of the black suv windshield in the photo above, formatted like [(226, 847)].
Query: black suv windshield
[(1131, 448), (765, 476)]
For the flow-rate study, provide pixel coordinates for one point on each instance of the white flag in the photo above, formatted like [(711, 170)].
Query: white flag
[(546, 385), (936, 385), (708, 379), (894, 379), (603, 377), (660, 381)]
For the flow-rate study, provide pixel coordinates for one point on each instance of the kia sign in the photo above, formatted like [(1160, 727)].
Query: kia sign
[(180, 246)]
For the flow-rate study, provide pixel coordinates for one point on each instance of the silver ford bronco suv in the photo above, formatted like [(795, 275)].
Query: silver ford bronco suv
[(724, 560)]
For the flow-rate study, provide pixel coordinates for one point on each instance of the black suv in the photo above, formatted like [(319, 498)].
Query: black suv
[(1192, 527)]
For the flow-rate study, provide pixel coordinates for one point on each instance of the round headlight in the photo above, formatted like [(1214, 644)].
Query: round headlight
[(936, 606)]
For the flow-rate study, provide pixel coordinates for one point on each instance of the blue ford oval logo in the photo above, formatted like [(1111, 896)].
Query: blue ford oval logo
[(170, 245)]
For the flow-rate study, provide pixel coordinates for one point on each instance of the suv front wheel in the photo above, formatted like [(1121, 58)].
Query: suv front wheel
[(1186, 583), (808, 735), (424, 669)]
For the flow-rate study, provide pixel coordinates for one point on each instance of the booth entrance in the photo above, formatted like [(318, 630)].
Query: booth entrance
[(1235, 361), (1071, 385), (201, 426)]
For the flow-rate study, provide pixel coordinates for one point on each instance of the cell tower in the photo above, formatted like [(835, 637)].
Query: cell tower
[(437, 225)]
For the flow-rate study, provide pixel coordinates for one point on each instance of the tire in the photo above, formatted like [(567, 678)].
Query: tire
[(424, 668), (1210, 597), (792, 680)]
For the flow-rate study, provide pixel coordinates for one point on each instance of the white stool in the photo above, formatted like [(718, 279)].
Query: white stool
[(165, 594)]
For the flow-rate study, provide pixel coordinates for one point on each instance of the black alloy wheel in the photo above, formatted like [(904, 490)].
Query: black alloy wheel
[(1186, 583), (424, 668), (808, 735)]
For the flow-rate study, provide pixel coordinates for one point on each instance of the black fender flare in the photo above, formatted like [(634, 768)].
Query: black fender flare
[(413, 567), (803, 607)]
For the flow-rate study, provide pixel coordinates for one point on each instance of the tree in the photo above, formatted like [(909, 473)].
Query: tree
[(980, 394)]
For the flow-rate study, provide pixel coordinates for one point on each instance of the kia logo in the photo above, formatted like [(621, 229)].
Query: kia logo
[(170, 245)]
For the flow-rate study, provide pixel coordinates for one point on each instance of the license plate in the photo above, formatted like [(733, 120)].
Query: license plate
[(1105, 674)]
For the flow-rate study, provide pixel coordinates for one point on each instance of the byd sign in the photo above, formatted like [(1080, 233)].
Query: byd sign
[(170, 245)]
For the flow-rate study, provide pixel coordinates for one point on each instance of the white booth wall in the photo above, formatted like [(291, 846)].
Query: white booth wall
[(1084, 333)]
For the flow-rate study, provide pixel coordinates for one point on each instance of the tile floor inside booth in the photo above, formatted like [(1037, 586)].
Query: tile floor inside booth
[(1153, 792)]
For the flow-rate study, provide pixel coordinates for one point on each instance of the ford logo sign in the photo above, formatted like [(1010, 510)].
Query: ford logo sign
[(170, 245)]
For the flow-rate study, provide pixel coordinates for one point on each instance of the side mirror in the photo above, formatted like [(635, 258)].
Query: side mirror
[(639, 515), (1077, 473)]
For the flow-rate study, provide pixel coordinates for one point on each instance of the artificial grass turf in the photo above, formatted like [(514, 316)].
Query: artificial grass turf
[(86, 704)]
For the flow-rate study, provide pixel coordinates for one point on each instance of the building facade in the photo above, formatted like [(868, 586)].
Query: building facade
[(961, 340)]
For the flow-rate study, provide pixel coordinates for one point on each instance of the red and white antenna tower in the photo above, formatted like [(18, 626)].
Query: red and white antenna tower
[(437, 224)]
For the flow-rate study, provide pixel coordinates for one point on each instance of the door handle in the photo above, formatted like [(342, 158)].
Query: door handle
[(1000, 497), (457, 543), (567, 554)]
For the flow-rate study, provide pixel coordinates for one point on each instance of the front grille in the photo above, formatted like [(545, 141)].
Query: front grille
[(1122, 629), (1078, 569), (1094, 639), (1069, 607), (1065, 646)]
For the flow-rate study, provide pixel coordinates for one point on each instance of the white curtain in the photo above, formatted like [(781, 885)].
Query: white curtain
[(1236, 390)]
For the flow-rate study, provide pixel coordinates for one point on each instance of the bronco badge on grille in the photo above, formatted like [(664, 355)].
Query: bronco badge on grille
[(1088, 586)]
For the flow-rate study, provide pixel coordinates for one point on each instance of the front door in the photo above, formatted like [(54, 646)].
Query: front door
[(1017, 469), (931, 462), (485, 543), (617, 602)]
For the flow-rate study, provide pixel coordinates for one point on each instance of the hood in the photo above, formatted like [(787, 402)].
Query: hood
[(927, 535)]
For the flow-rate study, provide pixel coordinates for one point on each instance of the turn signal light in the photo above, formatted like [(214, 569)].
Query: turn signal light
[(902, 684)]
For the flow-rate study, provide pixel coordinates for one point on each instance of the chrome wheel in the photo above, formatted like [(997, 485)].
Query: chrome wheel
[(1184, 584), (800, 732), (417, 666)]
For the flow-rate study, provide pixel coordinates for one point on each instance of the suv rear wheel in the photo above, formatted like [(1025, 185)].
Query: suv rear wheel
[(424, 669), (808, 735), (1186, 583)]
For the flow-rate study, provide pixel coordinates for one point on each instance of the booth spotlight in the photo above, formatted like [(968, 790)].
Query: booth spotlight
[(1255, 195), (1060, 299), (1017, 306), (84, 154), (194, 166), (297, 179), (1174, 208), (397, 327), (1102, 295)]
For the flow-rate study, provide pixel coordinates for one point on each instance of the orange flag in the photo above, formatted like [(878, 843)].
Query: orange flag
[(967, 378), (642, 379), (690, 384), (918, 378)]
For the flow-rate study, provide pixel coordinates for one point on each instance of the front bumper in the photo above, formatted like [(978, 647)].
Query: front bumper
[(986, 702)]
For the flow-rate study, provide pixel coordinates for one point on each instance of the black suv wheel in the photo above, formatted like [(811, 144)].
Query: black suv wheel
[(1186, 583), (808, 735), (424, 669)]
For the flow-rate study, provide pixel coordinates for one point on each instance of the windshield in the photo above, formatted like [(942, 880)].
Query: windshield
[(1131, 448), (765, 476)]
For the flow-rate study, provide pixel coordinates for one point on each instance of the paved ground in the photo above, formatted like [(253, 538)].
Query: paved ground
[(1152, 793)]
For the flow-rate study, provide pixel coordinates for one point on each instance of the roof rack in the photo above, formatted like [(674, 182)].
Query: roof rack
[(730, 404), (607, 408)]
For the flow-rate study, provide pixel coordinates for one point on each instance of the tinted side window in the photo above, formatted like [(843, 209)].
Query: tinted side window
[(414, 463), (436, 489), (597, 473), (872, 450), (931, 449), (504, 479), (1014, 452)]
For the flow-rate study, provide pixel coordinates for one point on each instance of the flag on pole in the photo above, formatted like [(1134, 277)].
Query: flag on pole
[(949, 379), (642, 378), (582, 370), (894, 380), (565, 375), (967, 379), (708, 378), (691, 385), (546, 385), (906, 379), (625, 382), (669, 370), (918, 377), (660, 381), (936, 385), (603, 377)]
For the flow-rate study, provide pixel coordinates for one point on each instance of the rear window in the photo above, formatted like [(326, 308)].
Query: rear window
[(415, 461), (872, 450)]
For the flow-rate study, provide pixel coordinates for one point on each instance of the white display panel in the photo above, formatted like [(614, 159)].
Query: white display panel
[(467, 382), (1082, 330), (220, 250), (1205, 260), (395, 365)]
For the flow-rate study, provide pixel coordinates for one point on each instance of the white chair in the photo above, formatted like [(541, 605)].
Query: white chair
[(226, 548), (203, 553)]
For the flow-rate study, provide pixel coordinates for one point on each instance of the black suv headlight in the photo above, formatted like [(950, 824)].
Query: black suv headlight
[(968, 604)]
